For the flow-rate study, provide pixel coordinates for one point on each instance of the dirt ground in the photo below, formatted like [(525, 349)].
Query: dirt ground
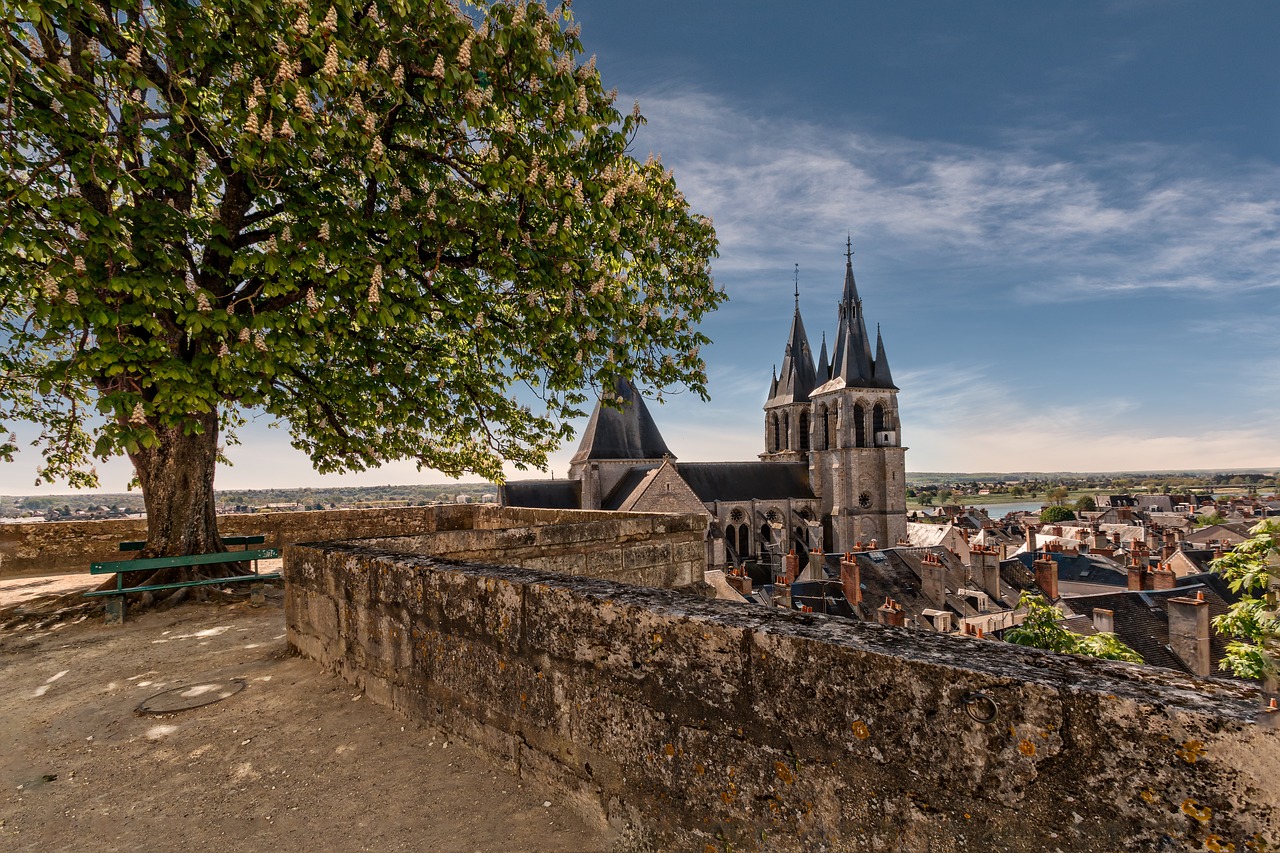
[(296, 761)]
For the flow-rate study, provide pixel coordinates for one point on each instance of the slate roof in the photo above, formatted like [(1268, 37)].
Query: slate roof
[(798, 376), (1082, 568), (542, 494), (629, 488), (1142, 621), (629, 433), (744, 481)]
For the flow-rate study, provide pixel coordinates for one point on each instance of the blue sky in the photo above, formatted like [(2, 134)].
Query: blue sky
[(1066, 219)]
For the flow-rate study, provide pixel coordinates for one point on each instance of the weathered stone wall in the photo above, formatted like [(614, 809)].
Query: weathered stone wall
[(645, 549), (714, 726)]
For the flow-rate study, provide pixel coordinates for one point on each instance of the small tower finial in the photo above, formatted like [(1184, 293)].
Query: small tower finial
[(797, 287), (848, 249)]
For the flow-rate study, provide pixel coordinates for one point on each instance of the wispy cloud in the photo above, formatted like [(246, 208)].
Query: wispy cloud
[(1118, 219)]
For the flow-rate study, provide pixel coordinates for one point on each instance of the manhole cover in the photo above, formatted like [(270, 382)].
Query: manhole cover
[(190, 696)]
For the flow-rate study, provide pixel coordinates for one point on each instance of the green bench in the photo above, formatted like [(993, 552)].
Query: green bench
[(117, 597)]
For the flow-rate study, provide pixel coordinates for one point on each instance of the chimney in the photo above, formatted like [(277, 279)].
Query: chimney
[(1139, 577), (890, 613), (740, 580), (790, 566), (815, 572), (1169, 547), (1031, 539), (1163, 578), (1047, 576), (782, 595), (931, 579), (1104, 620), (851, 580), (1189, 632), (985, 567)]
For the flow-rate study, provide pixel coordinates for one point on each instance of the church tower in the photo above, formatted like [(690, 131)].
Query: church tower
[(857, 463), (787, 417)]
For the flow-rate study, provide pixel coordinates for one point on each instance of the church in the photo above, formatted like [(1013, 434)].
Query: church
[(832, 474)]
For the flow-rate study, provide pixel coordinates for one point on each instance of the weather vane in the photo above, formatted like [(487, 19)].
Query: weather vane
[(848, 248), (797, 287)]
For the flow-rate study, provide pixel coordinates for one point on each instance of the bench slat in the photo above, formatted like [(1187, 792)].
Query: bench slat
[(180, 562), (272, 576), (226, 540)]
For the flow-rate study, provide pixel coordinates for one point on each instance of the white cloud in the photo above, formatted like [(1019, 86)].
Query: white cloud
[(1117, 219)]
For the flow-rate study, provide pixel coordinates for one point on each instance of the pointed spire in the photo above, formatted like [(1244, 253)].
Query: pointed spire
[(884, 379), (773, 386), (627, 434), (824, 368), (797, 377), (851, 360)]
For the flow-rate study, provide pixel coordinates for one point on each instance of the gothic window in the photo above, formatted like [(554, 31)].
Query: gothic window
[(824, 415), (766, 533), (833, 428), (731, 538), (744, 540), (864, 500), (804, 432), (737, 515), (786, 432), (772, 516), (775, 433), (877, 420), (859, 426)]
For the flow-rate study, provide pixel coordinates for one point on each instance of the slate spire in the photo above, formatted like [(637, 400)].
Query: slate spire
[(884, 379), (798, 376), (851, 360), (824, 367), (627, 434)]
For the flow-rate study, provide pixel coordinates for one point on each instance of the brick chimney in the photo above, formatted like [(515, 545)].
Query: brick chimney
[(815, 571), (1170, 545), (984, 564), (1104, 620), (1163, 578), (1139, 577), (931, 579), (790, 566), (1189, 632), (782, 595), (851, 580), (740, 580), (890, 613), (1031, 539), (1046, 570)]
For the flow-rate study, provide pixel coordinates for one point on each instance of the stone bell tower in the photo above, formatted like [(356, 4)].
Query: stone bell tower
[(787, 417), (857, 463)]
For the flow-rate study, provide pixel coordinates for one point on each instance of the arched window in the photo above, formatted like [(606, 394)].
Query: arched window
[(804, 432), (859, 426), (877, 420), (833, 428), (766, 534), (820, 434), (775, 434), (731, 538), (744, 540), (786, 432)]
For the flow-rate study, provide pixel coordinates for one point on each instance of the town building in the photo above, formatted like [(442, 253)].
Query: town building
[(832, 474)]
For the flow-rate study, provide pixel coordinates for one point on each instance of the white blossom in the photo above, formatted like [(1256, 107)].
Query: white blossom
[(331, 20), (260, 341), (330, 68), (377, 150), (437, 70), (134, 56), (464, 54), (312, 303), (139, 417), (384, 59), (202, 303), (324, 230), (72, 297), (224, 350), (78, 264)]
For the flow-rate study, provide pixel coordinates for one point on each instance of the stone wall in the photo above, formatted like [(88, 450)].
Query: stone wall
[(705, 725)]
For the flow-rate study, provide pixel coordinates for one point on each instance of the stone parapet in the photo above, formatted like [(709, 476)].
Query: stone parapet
[(709, 725)]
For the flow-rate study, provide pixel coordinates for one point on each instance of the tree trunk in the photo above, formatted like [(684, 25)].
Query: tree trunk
[(177, 488)]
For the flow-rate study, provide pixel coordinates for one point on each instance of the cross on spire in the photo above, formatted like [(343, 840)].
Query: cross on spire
[(797, 287), (848, 249)]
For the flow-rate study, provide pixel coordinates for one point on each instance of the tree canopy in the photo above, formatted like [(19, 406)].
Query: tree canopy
[(1253, 570), (1055, 514), (1042, 630), (377, 220)]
